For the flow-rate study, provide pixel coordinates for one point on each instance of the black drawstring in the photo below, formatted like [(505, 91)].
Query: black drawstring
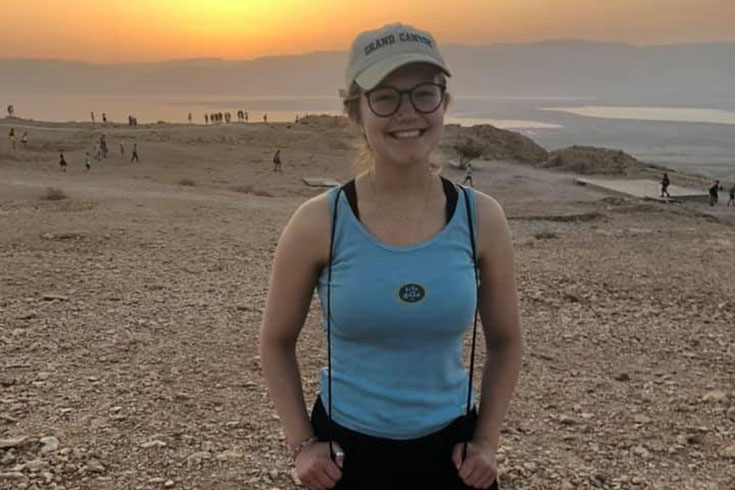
[(329, 322), (329, 315), (477, 305)]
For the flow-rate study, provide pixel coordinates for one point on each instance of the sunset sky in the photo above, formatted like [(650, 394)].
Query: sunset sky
[(112, 31)]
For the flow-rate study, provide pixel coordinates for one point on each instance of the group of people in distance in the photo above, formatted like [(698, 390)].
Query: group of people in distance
[(13, 139), (100, 153), (132, 120), (224, 117), (104, 117), (714, 191), (714, 195), (101, 149)]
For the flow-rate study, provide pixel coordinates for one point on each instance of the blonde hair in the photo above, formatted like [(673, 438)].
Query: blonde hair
[(351, 106)]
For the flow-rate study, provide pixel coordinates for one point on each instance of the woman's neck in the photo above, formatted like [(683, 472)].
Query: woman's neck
[(400, 180)]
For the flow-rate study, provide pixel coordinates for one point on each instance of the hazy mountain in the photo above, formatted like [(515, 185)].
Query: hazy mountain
[(672, 74)]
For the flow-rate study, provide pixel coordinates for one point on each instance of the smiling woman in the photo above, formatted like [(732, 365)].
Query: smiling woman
[(396, 261)]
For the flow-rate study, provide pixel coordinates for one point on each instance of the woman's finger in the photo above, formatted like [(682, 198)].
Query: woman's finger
[(457, 455), (332, 471), (339, 454), (323, 480)]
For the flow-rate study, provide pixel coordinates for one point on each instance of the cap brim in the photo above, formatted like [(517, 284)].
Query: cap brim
[(372, 76)]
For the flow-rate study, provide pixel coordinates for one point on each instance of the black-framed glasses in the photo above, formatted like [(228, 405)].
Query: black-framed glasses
[(425, 97)]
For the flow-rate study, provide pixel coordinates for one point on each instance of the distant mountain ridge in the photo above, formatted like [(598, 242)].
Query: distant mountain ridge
[(667, 74)]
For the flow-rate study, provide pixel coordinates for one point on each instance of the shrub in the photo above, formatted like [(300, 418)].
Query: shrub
[(545, 235), (188, 182), (249, 189), (53, 194), (467, 150)]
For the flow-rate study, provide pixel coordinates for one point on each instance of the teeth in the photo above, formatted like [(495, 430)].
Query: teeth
[(407, 134)]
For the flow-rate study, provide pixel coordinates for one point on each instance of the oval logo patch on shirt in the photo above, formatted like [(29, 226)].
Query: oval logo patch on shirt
[(411, 292)]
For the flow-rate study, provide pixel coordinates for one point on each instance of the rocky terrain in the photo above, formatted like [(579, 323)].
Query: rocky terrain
[(130, 304)]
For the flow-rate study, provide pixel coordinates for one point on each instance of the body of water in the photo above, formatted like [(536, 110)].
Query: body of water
[(692, 139), (176, 109), (669, 114)]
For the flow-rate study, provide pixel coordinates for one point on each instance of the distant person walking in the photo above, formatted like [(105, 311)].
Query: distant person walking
[(190, 118), (665, 186), (206, 118), (12, 139), (468, 175), (265, 118), (11, 110), (87, 163), (731, 201), (62, 162), (122, 150), (98, 151), (277, 161), (713, 193), (135, 153), (91, 113), (104, 118), (103, 146), (24, 138)]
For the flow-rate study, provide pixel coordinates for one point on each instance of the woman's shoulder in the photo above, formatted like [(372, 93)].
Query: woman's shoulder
[(313, 216), (488, 209), (307, 233), (492, 225)]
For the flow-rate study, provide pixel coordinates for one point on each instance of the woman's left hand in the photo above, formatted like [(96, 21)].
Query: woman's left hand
[(480, 468)]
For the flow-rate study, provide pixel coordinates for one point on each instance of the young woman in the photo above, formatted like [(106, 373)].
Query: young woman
[(392, 254)]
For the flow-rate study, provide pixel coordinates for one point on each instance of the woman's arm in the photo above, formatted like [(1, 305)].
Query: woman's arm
[(498, 308), (302, 251)]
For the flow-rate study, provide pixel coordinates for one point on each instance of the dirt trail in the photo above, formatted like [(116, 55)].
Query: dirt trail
[(129, 317)]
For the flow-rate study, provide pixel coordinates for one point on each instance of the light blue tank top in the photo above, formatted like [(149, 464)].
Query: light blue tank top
[(399, 314)]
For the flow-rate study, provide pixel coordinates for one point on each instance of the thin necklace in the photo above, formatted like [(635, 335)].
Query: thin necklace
[(371, 177)]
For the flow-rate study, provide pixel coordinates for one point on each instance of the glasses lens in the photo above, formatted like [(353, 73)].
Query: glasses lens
[(427, 97), (384, 101)]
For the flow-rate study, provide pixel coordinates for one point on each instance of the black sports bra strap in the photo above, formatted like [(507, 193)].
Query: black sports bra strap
[(450, 193), (351, 194)]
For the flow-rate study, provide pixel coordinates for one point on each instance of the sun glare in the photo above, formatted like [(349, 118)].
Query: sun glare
[(154, 30)]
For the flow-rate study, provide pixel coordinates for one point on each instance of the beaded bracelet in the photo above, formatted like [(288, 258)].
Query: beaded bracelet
[(308, 442)]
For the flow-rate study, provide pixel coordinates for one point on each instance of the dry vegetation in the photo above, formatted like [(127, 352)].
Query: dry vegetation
[(53, 194)]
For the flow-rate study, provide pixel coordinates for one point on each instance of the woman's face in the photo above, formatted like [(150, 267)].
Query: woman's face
[(407, 136)]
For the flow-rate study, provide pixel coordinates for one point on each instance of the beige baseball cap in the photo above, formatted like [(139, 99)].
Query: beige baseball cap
[(375, 54)]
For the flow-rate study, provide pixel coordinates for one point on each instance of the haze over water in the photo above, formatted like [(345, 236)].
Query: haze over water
[(692, 139)]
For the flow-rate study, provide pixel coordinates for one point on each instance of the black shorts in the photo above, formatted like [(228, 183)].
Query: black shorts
[(388, 464)]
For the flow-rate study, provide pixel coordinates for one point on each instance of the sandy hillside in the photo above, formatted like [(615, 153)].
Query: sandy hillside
[(129, 316)]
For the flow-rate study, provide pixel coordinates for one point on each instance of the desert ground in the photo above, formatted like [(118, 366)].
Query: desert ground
[(130, 311)]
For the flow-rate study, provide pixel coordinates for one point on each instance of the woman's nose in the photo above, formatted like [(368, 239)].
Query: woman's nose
[(405, 107)]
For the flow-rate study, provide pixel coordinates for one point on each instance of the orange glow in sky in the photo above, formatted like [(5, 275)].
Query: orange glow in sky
[(154, 30)]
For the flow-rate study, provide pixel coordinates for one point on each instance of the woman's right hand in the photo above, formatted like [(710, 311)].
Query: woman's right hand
[(315, 467)]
